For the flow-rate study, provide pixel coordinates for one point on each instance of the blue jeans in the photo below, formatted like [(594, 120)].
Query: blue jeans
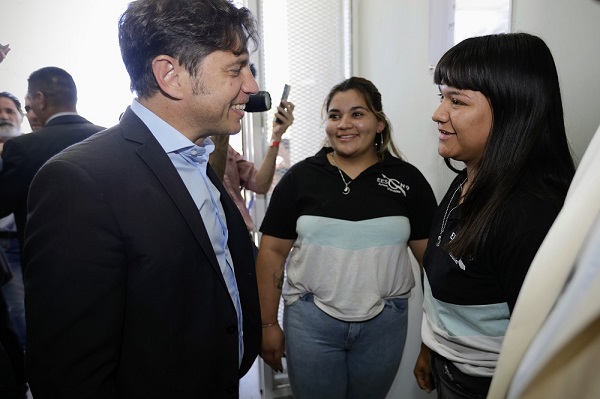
[(13, 291), (333, 359)]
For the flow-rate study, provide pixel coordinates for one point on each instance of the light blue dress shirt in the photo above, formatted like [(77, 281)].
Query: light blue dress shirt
[(191, 161)]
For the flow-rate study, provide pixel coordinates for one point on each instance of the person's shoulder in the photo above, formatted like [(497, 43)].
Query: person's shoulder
[(21, 138), (317, 160), (299, 167), (64, 120), (103, 142), (66, 124), (401, 166), (394, 162), (234, 157), (532, 192), (530, 207), (302, 171), (320, 156)]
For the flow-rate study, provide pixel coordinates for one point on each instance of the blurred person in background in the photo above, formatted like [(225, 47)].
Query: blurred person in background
[(11, 118), (242, 174), (32, 118), (12, 311), (52, 95)]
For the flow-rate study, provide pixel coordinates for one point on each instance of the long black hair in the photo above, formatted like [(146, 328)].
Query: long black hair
[(517, 74)]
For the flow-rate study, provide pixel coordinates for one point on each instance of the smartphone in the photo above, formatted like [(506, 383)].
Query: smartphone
[(284, 97)]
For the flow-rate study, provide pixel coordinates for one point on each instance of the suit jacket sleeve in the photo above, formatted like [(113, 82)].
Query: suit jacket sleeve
[(73, 290)]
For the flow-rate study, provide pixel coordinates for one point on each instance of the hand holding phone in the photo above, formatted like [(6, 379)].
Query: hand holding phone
[(284, 97)]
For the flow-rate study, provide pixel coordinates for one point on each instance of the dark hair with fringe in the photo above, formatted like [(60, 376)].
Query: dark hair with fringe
[(372, 97), (517, 74), (187, 30)]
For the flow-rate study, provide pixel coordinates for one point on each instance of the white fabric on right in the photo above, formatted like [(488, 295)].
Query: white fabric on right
[(550, 271)]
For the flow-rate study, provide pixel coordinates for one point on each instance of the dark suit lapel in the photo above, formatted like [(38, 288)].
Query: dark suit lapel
[(161, 166)]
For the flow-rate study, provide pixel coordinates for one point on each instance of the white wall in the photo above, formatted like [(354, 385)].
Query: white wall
[(87, 48), (391, 41), (571, 28), (391, 49)]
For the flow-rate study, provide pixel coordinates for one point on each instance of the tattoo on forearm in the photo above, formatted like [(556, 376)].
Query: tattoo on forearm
[(280, 282), (278, 278)]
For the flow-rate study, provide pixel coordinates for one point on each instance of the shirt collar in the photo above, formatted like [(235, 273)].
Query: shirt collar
[(170, 139), (167, 136), (60, 114)]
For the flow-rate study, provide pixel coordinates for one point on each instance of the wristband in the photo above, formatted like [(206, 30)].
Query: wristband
[(275, 143), (269, 325)]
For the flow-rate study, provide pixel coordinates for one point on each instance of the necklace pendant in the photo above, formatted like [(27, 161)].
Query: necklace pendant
[(346, 189), (439, 240)]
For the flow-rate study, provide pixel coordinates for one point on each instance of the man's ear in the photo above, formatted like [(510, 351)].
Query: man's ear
[(40, 100), (167, 73)]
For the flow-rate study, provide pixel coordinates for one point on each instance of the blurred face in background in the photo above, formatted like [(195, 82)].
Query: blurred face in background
[(34, 122), (10, 119)]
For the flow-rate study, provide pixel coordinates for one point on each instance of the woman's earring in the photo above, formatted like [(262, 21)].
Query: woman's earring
[(379, 144)]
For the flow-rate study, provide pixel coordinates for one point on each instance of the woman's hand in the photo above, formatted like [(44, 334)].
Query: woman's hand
[(273, 344), (4, 49), (285, 114), (422, 370)]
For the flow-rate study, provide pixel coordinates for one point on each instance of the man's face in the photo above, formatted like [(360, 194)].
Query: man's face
[(10, 119), (37, 103), (216, 96), (31, 116)]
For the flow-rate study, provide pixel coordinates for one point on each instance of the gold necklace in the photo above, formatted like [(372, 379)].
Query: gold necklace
[(346, 190)]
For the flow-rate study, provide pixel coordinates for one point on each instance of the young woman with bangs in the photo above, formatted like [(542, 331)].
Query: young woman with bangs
[(501, 115)]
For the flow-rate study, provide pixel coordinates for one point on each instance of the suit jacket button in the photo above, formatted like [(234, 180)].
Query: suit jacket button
[(231, 329)]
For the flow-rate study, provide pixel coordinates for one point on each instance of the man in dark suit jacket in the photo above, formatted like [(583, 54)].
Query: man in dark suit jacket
[(140, 274), (53, 97)]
